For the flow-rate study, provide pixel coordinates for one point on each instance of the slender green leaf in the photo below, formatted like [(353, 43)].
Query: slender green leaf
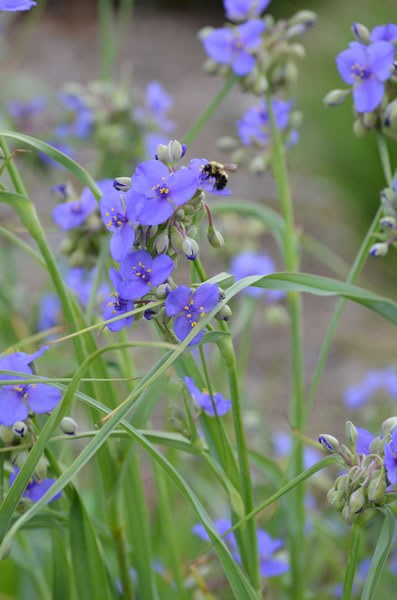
[(380, 555), (62, 579)]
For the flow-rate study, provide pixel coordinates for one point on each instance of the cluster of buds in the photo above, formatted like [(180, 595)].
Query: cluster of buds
[(387, 235), (366, 482)]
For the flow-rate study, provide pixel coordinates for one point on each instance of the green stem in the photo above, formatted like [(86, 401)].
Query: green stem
[(106, 35), (352, 277), (352, 560), (208, 112), (296, 512)]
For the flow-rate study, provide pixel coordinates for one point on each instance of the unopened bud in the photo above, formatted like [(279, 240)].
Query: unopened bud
[(388, 222), (162, 291), (20, 429), (215, 238), (204, 32), (224, 314), (361, 33), (357, 501), (222, 295), (171, 152), (259, 164), (388, 198), (41, 468), (162, 242), (380, 249), (389, 425), (346, 514), (227, 143), (122, 184), (176, 239), (275, 314), (304, 17), (329, 442), (260, 86), (375, 446), (68, 426), (377, 488), (359, 128), (336, 498), (390, 116), (210, 67), (370, 119), (190, 248), (351, 434), (296, 51), (336, 97), (6, 434)]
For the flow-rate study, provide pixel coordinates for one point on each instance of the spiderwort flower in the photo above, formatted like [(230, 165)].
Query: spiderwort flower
[(15, 5), (233, 46), (73, 213), (116, 304), (159, 103), (83, 118), (241, 10), (254, 126), (189, 307), (156, 192), (35, 489), (268, 546), (81, 280), (49, 312), (248, 263), (205, 181), (49, 161), (142, 272), (384, 33), (118, 213), (390, 460), (356, 396), (366, 68), (217, 406), (221, 525), (364, 440), (19, 361)]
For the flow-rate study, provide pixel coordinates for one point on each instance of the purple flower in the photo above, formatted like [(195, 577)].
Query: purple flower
[(49, 312), (118, 213), (203, 180), (390, 460), (233, 46), (254, 126), (81, 280), (283, 446), (384, 33), (15, 5), (221, 525), (117, 305), (356, 396), (189, 307), (364, 440), (73, 213), (35, 489), (17, 400), (156, 192), (241, 10), (366, 68), (159, 103), (25, 112), (219, 406), (141, 272), (81, 125), (249, 263)]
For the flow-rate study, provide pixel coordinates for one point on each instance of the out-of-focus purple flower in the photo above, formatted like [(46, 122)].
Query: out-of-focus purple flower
[(189, 307), (359, 394), (117, 305), (204, 180), (249, 263), (221, 525), (218, 406), (241, 10), (118, 213), (254, 126), (141, 272), (73, 213), (234, 46), (36, 488), (156, 192), (16, 5), (364, 440), (283, 445), (49, 161), (49, 312), (361, 575), (390, 459), (159, 103), (81, 280), (366, 68), (17, 400), (82, 117), (24, 112), (384, 33)]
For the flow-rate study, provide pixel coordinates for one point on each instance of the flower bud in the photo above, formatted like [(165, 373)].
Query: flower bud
[(304, 17), (20, 428), (389, 425), (336, 498), (379, 249), (68, 426), (388, 222), (359, 129), (41, 468), (361, 33), (336, 97), (260, 86), (377, 488), (275, 314), (370, 119), (329, 442), (162, 243), (357, 501), (388, 198), (122, 184), (351, 434), (224, 314), (171, 152), (190, 248), (347, 453), (6, 434), (259, 164), (227, 143), (204, 32), (296, 50), (390, 116), (210, 67), (346, 514), (153, 229), (20, 459), (375, 446), (176, 239), (222, 295), (215, 238), (162, 291)]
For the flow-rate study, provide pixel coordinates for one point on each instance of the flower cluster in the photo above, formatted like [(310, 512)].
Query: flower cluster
[(387, 234), (371, 464), (215, 405)]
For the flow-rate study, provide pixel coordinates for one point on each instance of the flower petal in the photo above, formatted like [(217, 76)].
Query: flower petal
[(12, 407), (390, 464), (43, 398), (132, 260), (218, 45), (242, 62), (36, 490), (368, 94), (207, 296), (153, 211), (182, 185), (347, 59), (250, 33), (380, 59), (162, 268), (121, 242), (177, 299)]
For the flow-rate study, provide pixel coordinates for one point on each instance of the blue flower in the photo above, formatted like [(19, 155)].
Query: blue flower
[(156, 192), (248, 263), (359, 394), (233, 46), (141, 272), (254, 126), (23, 110), (241, 10), (283, 446), (116, 304), (17, 400), (218, 406), (35, 489), (15, 5), (81, 280), (390, 459), (73, 213), (366, 68), (203, 181), (159, 103), (49, 312), (118, 213), (189, 307), (364, 440), (384, 33), (82, 117)]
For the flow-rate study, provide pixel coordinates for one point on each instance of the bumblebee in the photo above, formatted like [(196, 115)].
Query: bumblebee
[(219, 173)]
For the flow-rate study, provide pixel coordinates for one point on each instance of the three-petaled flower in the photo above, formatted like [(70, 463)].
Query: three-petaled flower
[(204, 180), (254, 126), (248, 263), (73, 213), (189, 307), (35, 489), (240, 10), (157, 192), (234, 46), (385, 33), (116, 304), (118, 213), (216, 405), (140, 272), (366, 68)]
